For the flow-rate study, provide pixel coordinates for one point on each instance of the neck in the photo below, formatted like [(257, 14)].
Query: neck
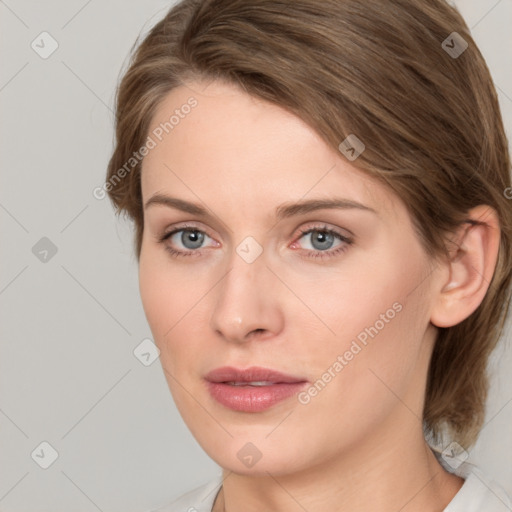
[(406, 477)]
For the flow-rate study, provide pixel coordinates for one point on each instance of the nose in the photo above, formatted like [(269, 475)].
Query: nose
[(247, 302)]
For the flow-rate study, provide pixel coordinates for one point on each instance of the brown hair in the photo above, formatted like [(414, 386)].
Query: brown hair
[(430, 121)]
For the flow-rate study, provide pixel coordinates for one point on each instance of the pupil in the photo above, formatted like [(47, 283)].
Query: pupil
[(325, 239), (194, 237)]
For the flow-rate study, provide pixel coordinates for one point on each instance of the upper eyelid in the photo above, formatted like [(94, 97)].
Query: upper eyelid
[(187, 227), (337, 231), (298, 220)]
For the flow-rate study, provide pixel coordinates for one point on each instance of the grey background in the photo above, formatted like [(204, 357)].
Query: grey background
[(68, 375)]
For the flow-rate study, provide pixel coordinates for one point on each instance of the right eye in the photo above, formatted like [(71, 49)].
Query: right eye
[(187, 239)]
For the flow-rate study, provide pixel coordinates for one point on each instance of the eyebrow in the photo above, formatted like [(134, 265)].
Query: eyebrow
[(283, 211)]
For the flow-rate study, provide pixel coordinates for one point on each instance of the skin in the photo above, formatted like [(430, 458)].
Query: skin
[(358, 444)]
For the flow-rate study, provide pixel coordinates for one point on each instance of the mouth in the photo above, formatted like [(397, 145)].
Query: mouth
[(253, 389)]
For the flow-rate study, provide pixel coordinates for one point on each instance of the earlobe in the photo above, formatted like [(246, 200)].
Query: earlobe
[(470, 268)]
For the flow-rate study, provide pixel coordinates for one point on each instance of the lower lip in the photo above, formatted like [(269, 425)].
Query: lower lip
[(252, 398)]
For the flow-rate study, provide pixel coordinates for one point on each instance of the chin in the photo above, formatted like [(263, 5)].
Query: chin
[(257, 456)]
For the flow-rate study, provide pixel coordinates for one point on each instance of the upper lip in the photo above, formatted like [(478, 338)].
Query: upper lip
[(252, 374)]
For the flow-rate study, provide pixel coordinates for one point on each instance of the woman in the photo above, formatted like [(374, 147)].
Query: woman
[(319, 191)]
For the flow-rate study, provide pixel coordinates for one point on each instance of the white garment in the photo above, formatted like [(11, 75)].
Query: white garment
[(477, 494)]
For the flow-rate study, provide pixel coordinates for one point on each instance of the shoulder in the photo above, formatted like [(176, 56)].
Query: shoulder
[(200, 499), (479, 493)]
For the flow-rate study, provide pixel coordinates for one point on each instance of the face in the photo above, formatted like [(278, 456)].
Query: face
[(234, 277)]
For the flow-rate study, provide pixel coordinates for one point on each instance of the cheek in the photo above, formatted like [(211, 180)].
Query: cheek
[(173, 300), (373, 294), (379, 318), (154, 296), (162, 289), (161, 301)]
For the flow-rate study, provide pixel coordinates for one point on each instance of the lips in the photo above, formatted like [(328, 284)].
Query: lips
[(253, 389), (252, 374)]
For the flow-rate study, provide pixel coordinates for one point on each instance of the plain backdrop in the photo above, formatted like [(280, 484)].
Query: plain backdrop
[(71, 311)]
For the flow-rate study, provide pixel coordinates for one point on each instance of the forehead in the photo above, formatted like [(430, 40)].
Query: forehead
[(238, 147)]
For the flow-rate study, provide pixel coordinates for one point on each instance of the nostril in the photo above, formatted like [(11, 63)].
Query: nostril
[(257, 334)]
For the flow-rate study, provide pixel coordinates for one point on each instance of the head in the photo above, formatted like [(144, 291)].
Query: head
[(246, 108)]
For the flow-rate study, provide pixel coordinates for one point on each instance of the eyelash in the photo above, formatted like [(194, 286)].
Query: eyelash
[(315, 253)]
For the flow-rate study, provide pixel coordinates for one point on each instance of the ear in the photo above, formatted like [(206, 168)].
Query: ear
[(469, 268)]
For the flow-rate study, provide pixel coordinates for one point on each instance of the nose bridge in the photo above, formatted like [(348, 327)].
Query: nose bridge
[(246, 300)]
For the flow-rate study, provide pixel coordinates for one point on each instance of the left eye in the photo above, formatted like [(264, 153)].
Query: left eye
[(322, 239)]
